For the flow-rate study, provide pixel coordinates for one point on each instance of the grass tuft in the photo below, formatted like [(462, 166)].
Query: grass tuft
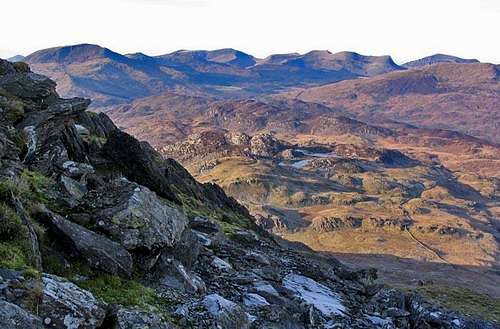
[(114, 290), (463, 300)]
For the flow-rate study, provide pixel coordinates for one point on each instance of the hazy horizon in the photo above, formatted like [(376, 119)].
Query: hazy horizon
[(405, 31)]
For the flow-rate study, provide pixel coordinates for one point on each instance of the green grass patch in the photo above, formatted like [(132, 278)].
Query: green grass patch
[(193, 208), (15, 252), (16, 187), (463, 300), (114, 290), (12, 256), (38, 184), (13, 105)]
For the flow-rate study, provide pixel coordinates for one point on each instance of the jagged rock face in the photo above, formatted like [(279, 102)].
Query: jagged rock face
[(134, 216), (100, 252), (117, 221)]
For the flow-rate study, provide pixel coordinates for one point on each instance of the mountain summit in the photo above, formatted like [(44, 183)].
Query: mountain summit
[(73, 54), (438, 58)]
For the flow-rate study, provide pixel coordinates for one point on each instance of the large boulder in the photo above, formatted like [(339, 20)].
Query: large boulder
[(171, 274), (14, 317), (226, 313), (186, 250), (207, 231), (138, 162), (135, 216), (66, 306), (100, 252)]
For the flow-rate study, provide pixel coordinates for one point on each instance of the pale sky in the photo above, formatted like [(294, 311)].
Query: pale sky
[(404, 29)]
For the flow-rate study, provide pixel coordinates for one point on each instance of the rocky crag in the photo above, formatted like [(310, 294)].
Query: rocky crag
[(98, 230)]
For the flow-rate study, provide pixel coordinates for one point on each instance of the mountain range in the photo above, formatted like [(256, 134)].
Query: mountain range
[(111, 78), (420, 92)]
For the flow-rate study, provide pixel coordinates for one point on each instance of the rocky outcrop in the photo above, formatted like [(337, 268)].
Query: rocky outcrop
[(100, 252), (134, 216), (395, 158), (331, 224), (265, 145)]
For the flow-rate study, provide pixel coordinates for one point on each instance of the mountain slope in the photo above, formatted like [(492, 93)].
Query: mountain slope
[(460, 97)]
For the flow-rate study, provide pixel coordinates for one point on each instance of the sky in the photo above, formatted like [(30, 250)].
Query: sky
[(404, 29)]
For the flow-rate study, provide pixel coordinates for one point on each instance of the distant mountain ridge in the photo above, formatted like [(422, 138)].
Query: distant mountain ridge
[(438, 58), (16, 58), (110, 78), (72, 54)]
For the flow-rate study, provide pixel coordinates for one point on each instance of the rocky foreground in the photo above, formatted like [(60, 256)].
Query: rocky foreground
[(99, 231)]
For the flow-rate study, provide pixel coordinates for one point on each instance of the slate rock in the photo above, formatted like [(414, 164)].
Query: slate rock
[(100, 252), (68, 306), (135, 216), (135, 319), (226, 313), (14, 317)]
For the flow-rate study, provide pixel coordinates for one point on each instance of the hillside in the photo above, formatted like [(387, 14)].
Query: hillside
[(312, 173), (110, 78), (459, 97)]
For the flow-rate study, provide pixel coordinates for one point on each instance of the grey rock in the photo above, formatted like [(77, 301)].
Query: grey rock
[(316, 294), (186, 250), (68, 306), (254, 300), (77, 169), (226, 313), (203, 239), (99, 251), (173, 275), (136, 217), (82, 131), (257, 257), (221, 264), (209, 232), (134, 319), (74, 188), (14, 317)]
